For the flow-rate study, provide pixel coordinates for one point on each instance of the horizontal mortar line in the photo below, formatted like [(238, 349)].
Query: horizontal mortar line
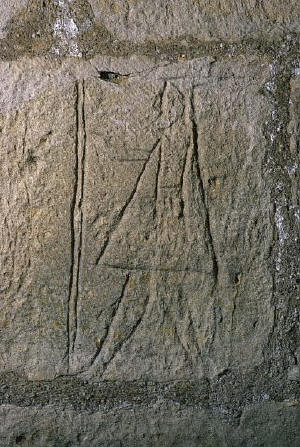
[(164, 48)]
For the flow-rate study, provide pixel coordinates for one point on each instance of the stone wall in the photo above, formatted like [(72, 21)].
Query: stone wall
[(150, 216)]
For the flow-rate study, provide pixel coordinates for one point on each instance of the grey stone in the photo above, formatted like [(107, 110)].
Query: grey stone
[(294, 373), (165, 424), (149, 205)]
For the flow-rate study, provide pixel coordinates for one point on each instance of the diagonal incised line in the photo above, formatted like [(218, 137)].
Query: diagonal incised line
[(114, 313), (121, 213)]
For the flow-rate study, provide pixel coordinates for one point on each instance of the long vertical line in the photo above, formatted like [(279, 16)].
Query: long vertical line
[(76, 219), (202, 190), (207, 216)]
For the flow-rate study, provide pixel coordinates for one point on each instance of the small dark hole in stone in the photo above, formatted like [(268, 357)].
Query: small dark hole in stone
[(298, 281), (237, 279), (224, 373), (107, 75), (31, 159), (20, 438)]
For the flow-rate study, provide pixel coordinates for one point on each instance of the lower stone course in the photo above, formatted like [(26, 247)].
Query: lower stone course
[(227, 412), (164, 423)]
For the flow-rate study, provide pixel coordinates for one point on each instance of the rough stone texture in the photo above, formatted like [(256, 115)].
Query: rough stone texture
[(149, 205), (164, 425)]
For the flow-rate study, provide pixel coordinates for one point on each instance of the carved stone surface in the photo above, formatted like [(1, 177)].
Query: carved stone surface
[(149, 206)]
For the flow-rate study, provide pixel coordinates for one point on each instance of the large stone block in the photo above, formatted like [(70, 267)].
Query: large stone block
[(147, 223), (149, 206)]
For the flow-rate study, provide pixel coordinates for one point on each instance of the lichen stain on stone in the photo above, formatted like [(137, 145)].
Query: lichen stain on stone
[(66, 31)]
